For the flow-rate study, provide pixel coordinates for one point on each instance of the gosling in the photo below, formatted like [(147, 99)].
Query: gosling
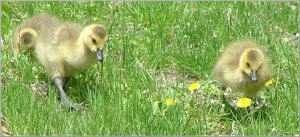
[(243, 67), (63, 48)]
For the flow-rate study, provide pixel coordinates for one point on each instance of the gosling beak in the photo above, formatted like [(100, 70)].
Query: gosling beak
[(253, 76), (99, 55)]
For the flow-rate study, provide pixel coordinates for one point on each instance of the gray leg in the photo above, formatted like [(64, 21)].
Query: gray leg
[(59, 84), (65, 81)]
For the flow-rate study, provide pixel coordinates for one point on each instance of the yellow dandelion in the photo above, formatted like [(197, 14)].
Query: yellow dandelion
[(243, 102), (270, 82), (194, 86), (170, 101)]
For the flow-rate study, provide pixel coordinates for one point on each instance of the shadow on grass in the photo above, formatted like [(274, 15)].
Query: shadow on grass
[(254, 112)]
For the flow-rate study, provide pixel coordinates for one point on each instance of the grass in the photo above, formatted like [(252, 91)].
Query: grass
[(155, 50)]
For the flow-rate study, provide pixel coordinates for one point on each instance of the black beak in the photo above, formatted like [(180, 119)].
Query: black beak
[(253, 76), (99, 55)]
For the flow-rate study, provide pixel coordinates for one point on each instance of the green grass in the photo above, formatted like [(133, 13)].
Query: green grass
[(155, 50)]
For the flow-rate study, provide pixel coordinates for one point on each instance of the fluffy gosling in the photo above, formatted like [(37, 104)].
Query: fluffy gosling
[(243, 67), (62, 48)]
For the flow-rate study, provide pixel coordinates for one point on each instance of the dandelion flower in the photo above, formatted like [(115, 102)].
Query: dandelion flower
[(243, 102), (170, 101), (269, 83), (194, 86)]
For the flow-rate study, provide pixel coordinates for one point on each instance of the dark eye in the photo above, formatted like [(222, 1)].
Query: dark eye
[(247, 64), (94, 41)]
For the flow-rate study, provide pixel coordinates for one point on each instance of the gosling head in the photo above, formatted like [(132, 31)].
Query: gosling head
[(26, 39), (251, 62), (94, 37)]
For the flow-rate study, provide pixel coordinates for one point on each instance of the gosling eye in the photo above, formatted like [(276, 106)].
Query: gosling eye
[(247, 64), (94, 41)]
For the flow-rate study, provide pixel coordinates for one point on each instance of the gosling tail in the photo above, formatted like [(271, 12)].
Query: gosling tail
[(25, 39)]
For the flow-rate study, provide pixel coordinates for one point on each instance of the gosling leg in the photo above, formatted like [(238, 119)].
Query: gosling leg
[(59, 84), (65, 81)]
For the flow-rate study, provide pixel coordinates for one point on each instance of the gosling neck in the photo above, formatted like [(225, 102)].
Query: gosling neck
[(242, 60), (84, 52)]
